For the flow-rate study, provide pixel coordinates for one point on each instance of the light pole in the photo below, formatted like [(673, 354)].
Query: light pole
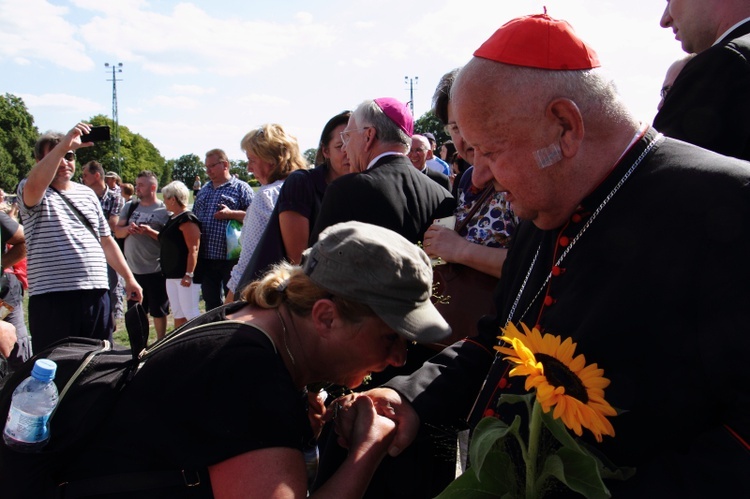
[(411, 81), (116, 68)]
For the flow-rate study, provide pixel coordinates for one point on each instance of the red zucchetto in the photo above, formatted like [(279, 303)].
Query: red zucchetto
[(538, 41)]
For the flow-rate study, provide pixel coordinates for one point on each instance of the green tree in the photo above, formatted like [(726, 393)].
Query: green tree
[(239, 167), (185, 168), (309, 156), (17, 137), (136, 154), (428, 122)]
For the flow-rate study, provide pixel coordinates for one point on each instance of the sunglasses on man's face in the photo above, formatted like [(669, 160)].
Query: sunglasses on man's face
[(70, 156)]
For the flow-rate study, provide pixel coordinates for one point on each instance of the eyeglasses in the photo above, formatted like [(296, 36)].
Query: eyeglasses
[(346, 134), (70, 156), (217, 163), (450, 128), (418, 150), (665, 90)]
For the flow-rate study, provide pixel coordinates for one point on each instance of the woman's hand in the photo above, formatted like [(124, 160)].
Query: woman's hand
[(443, 242)]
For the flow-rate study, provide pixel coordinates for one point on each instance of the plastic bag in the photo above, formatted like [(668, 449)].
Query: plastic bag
[(234, 228)]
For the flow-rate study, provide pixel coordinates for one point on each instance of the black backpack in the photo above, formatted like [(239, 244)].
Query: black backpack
[(91, 375)]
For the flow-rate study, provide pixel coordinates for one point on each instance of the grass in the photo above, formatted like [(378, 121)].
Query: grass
[(120, 335)]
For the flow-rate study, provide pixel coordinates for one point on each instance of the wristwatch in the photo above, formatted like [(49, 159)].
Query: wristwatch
[(189, 274)]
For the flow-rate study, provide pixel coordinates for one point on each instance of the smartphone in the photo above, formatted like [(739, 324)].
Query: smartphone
[(97, 134), (449, 222)]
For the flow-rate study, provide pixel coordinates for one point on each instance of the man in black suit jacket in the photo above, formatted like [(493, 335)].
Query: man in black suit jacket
[(709, 102), (385, 189), (420, 145)]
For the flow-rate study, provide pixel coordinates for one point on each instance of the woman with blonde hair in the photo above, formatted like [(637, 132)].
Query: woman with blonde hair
[(272, 154), (180, 241), (296, 211)]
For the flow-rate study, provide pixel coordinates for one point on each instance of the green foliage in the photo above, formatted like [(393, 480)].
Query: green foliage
[(309, 156), (239, 168), (494, 473), (136, 154), (185, 168), (17, 137), (428, 122)]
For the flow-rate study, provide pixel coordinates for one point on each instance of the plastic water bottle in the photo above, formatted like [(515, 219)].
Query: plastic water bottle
[(27, 427)]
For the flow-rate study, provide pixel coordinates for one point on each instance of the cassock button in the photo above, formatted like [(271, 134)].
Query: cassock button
[(556, 271), (548, 300), (564, 241), (576, 218)]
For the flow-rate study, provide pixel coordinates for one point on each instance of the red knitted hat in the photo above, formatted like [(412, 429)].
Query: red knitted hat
[(538, 41)]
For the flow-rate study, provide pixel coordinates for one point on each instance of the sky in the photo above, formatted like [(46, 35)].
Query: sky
[(200, 74)]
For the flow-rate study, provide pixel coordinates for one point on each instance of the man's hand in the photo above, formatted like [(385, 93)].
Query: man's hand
[(133, 290), (223, 212), (387, 403)]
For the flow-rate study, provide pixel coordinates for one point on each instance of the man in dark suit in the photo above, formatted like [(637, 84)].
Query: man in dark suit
[(420, 145), (709, 102), (385, 189)]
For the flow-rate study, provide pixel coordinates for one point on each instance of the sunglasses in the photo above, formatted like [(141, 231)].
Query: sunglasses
[(70, 156)]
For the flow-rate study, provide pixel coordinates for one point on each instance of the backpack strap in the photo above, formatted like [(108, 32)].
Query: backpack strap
[(132, 482), (131, 208)]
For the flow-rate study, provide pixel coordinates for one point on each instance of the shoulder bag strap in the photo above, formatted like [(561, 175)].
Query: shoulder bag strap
[(77, 213), (477, 205)]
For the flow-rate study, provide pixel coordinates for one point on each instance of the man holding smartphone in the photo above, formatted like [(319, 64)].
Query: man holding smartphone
[(69, 245)]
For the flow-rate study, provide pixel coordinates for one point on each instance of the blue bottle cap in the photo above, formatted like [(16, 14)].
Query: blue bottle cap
[(44, 370)]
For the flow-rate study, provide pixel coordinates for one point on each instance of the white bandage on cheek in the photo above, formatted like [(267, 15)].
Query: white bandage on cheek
[(548, 156)]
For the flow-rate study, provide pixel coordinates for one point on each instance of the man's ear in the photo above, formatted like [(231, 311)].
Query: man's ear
[(323, 314), (369, 135), (564, 113)]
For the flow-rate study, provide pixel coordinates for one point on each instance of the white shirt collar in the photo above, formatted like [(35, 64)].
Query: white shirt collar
[(376, 158), (730, 30)]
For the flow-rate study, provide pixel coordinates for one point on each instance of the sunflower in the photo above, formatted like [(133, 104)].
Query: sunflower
[(562, 381)]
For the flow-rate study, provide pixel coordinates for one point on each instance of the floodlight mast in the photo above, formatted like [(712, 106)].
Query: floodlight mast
[(116, 68)]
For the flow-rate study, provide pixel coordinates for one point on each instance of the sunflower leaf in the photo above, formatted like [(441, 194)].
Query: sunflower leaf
[(512, 398), (495, 478), (488, 435), (578, 470), (559, 431)]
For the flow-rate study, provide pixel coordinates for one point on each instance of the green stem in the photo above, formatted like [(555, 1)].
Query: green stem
[(535, 431)]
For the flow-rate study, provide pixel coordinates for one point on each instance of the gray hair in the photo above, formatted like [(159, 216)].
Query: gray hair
[(591, 90), (369, 114), (178, 191), (46, 142)]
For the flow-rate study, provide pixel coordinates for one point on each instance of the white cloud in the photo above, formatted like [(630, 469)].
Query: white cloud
[(269, 100), (38, 30), (197, 74), (63, 101), (192, 90), (174, 101)]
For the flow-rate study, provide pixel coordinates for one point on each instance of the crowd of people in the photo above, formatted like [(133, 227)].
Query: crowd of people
[(584, 218)]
